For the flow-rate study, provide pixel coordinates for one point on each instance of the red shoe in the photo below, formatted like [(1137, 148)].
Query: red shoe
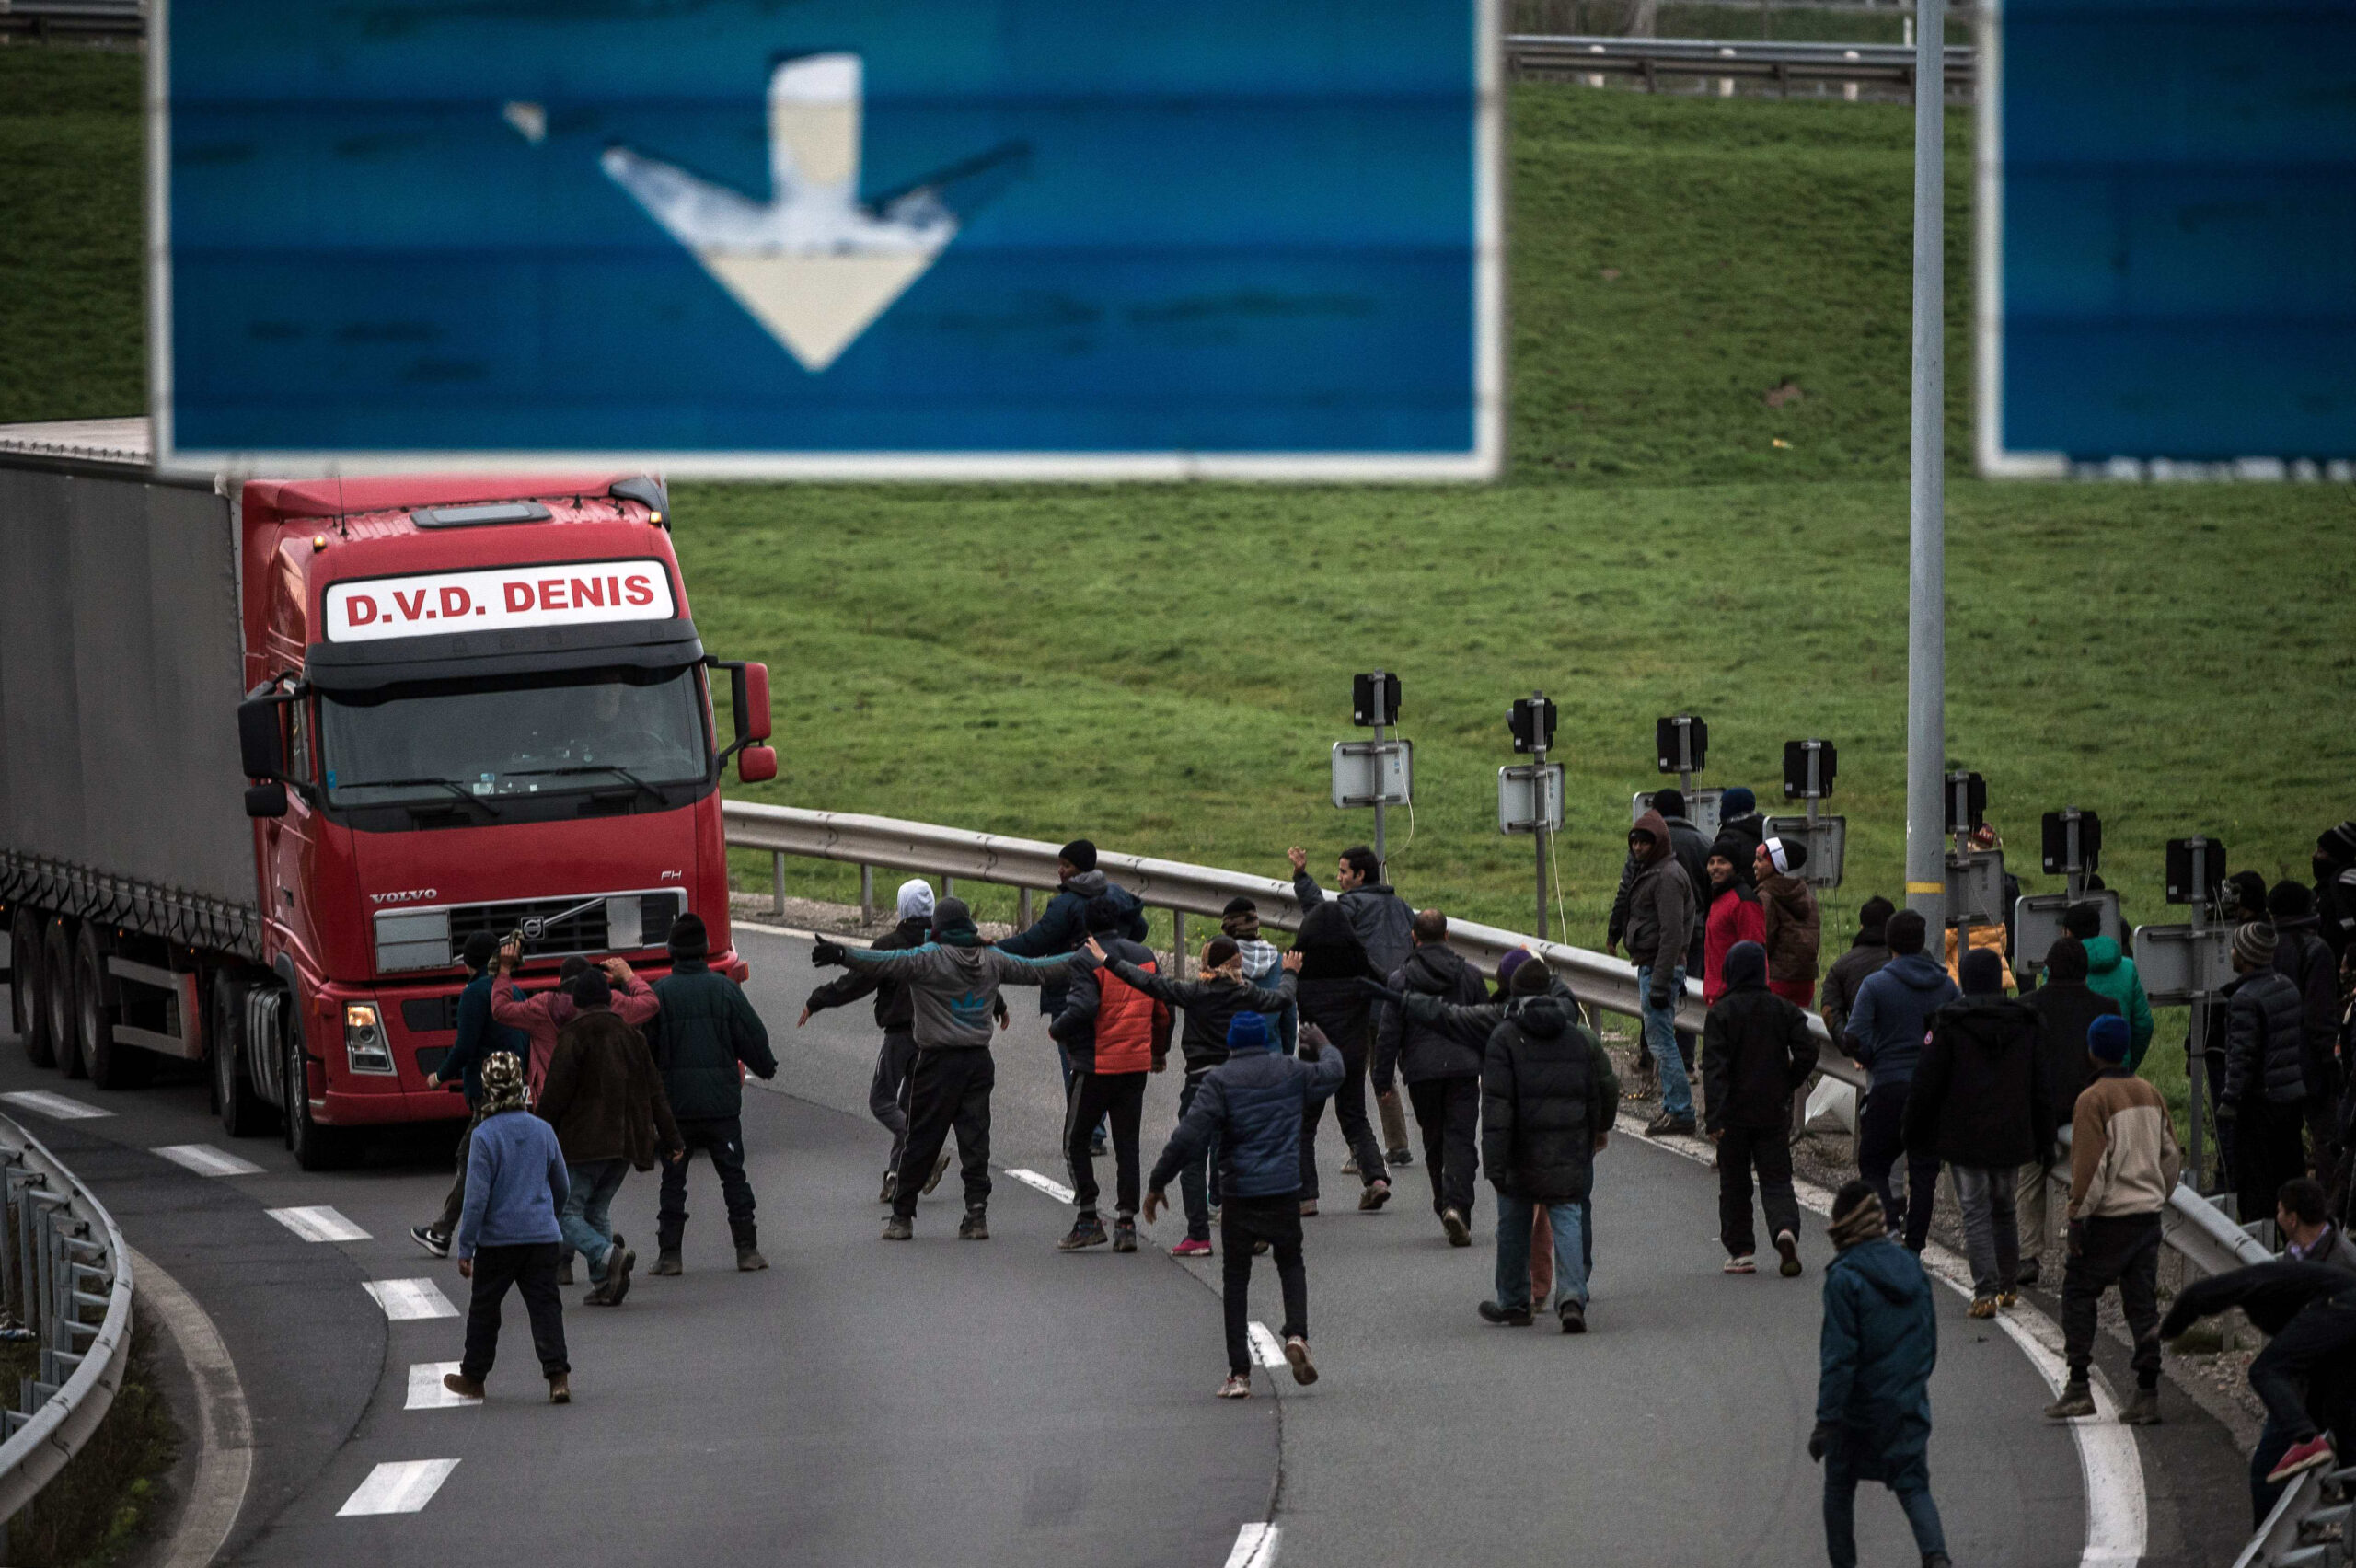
[(1191, 1248), (2313, 1454)]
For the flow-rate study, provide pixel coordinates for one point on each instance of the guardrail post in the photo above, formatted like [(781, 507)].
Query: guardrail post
[(1178, 942), (867, 895), (948, 886), (1022, 908), (776, 883)]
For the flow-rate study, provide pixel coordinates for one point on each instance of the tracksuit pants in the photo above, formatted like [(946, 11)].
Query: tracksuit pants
[(887, 1092), (1349, 1109), (949, 1091), (723, 1138), (2122, 1250), (1448, 1113), (1881, 1139), (1119, 1097), (531, 1269), (1276, 1219), (1767, 1150)]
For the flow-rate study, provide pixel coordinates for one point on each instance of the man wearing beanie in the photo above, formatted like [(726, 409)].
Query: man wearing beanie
[(1794, 929), (2266, 1071), (2066, 1008), (604, 1096), (1734, 915), (1251, 1108), (705, 1039), (1739, 815), (1756, 1053), (2123, 1165), (1063, 925), (1868, 951), (953, 983), (1441, 1067), (480, 1036), (1113, 1036), (2110, 972)]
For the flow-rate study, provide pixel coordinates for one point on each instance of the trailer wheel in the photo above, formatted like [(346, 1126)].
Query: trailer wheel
[(57, 984), (112, 1065), (243, 1114), (27, 1008), (315, 1148)]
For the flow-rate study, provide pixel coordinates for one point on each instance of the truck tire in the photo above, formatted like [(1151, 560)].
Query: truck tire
[(57, 987), (243, 1114), (27, 1004), (112, 1065), (314, 1147)]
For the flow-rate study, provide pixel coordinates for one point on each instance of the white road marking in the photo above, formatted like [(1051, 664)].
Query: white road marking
[(57, 1107), (206, 1160), (317, 1223), (402, 1487), (426, 1391), (1256, 1547), (1267, 1348), (1054, 1189), (404, 1299)]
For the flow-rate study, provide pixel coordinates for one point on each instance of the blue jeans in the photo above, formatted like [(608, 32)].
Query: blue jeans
[(1660, 1039), (1912, 1487), (586, 1229), (1569, 1223)]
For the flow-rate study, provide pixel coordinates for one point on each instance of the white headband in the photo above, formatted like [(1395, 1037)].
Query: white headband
[(1775, 853)]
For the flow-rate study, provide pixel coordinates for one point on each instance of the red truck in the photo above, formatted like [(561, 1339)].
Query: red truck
[(275, 749)]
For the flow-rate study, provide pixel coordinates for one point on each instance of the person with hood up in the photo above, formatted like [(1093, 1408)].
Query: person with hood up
[(1660, 928), (606, 1100), (1873, 1399), (1240, 923), (1981, 1102), (2335, 889), (2110, 972), (1383, 921), (1795, 932), (1734, 917), (507, 1232), (953, 984), (1692, 852), (2301, 957), (1757, 1050), (2066, 1008), (1441, 1067), (1209, 1005), (2266, 1070), (480, 1038), (1063, 925), (2243, 897), (1251, 1107), (2123, 1165), (1114, 1035), (1884, 1034), (2306, 1375), (705, 1039), (1739, 815), (1333, 965), (1868, 951)]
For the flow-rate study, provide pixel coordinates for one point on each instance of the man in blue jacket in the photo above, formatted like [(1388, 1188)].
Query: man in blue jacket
[(507, 1232), (479, 1035), (1253, 1105), (1873, 1401), (1885, 1033)]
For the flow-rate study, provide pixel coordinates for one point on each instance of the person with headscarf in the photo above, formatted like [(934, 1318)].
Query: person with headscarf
[(507, 1234), (1873, 1391), (1333, 962)]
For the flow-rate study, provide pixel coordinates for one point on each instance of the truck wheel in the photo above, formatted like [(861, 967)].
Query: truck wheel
[(315, 1148), (57, 985), (27, 1008), (112, 1065), (243, 1114)]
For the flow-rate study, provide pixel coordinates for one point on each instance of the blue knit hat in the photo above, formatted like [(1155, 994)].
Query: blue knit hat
[(2106, 1040), (1247, 1031), (1737, 801)]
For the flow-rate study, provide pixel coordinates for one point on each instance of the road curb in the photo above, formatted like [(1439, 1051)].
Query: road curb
[(225, 1463)]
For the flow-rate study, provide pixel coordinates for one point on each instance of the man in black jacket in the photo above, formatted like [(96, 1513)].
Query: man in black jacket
[(1384, 924), (1981, 1102), (2301, 957), (1868, 951), (2066, 1006), (1756, 1053), (2266, 1070), (1441, 1064), (2306, 1375), (705, 1037)]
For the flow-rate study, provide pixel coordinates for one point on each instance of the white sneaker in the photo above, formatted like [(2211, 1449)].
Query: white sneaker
[(1744, 1264), (1237, 1387)]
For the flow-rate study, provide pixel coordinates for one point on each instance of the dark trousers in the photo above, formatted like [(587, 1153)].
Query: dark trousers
[(887, 1092), (1769, 1151), (1275, 1220), (1910, 1484), (457, 1202), (721, 1137), (1119, 1097), (949, 1090), (2269, 1148), (1881, 1139), (531, 1269), (1349, 1109), (1198, 1185), (1448, 1112), (2123, 1249), (2281, 1374)]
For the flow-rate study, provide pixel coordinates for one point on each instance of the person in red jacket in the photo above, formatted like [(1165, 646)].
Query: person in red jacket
[(1112, 1034), (543, 1013), (1734, 915)]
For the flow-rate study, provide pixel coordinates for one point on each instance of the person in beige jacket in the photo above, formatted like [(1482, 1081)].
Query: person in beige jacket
[(2123, 1165)]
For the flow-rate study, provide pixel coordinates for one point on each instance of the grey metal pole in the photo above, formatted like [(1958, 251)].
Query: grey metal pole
[(1178, 942), (776, 883), (1538, 800), (1926, 674), (867, 895), (1381, 860)]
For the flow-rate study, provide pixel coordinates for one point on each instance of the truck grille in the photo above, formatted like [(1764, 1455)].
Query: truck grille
[(625, 922)]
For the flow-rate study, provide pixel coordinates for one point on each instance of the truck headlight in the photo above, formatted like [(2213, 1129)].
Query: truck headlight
[(364, 1046)]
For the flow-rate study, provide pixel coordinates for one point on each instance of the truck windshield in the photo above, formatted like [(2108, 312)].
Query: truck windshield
[(591, 728)]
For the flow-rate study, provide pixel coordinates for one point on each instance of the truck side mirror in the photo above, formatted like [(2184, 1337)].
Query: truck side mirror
[(266, 799), (755, 765), (261, 741), (749, 693)]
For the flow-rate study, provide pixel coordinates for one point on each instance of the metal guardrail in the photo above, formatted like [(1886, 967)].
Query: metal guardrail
[(1651, 58), (63, 1262), (113, 18), (2307, 1526)]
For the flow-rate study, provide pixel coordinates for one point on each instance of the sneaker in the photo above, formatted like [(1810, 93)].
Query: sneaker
[(2007, 1299), (2142, 1411), (939, 1169), (898, 1229), (1308, 1208), (1124, 1236), (1573, 1317), (975, 1226), (1376, 1193), (1086, 1231), (560, 1389), (1193, 1247), (1666, 1123), (458, 1383), (1787, 1246), (2077, 1399), (1304, 1371), (1399, 1157), (1937, 1559), (618, 1262), (1237, 1387), (1350, 1166), (1743, 1264), (1983, 1306), (666, 1264), (749, 1259), (430, 1239), (1504, 1316), (890, 1187), (2313, 1454), (1459, 1233)]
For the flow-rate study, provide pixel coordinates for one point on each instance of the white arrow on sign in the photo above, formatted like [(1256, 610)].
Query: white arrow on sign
[(811, 264)]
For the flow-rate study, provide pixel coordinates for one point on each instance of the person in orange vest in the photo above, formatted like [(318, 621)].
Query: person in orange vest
[(1112, 1034)]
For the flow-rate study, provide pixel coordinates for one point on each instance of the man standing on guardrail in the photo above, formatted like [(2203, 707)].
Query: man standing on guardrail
[(507, 1232), (1661, 929), (1885, 1036), (1384, 922), (2066, 1008)]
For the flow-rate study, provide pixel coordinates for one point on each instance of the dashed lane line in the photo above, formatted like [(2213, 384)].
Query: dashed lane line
[(1267, 1348), (427, 1391), (1255, 1546), (403, 1486), (317, 1223), (1054, 1189), (57, 1107), (206, 1160), (407, 1300)]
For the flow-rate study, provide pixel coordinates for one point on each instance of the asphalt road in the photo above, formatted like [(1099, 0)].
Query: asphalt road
[(1000, 1402)]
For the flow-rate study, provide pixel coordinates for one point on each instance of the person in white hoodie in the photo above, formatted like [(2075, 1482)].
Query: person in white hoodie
[(1240, 923)]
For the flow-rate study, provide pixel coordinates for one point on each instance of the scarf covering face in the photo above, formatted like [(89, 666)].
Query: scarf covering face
[(1862, 1223), (503, 1083)]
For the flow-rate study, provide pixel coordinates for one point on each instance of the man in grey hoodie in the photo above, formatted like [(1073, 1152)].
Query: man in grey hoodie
[(1660, 932), (953, 983), (1885, 1036)]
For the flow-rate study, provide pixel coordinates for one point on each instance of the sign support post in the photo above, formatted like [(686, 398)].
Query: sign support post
[(1926, 672)]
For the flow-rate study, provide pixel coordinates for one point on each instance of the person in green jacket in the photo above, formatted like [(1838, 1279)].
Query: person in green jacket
[(2110, 972), (705, 1030)]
